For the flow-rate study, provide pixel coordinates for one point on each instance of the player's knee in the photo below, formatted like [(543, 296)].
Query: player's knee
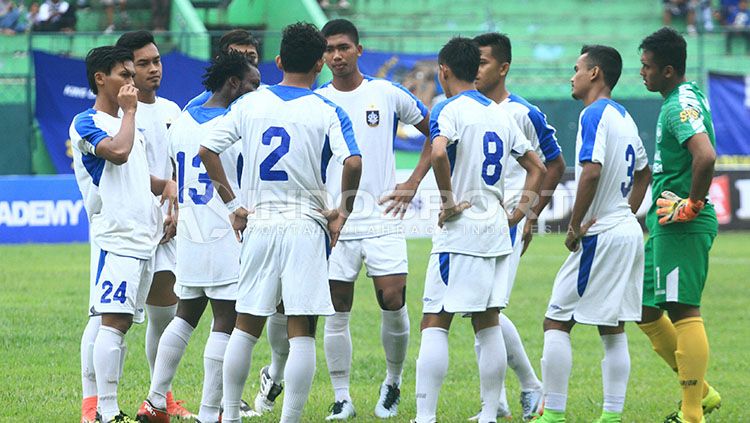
[(341, 302), (391, 299), (550, 324)]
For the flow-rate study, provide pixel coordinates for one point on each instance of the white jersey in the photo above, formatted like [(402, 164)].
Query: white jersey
[(481, 137), (124, 217), (153, 120), (207, 251), (541, 135), (375, 108), (289, 135), (607, 135)]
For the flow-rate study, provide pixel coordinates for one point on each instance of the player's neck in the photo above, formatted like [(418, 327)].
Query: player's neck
[(498, 94), (299, 80), (671, 85), (348, 83), (219, 99), (106, 105), (597, 94), (457, 87), (148, 97)]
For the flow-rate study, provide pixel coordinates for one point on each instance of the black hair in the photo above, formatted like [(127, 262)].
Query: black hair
[(461, 55), (239, 37), (223, 67), (341, 26), (104, 59), (499, 43), (668, 47), (302, 45), (607, 59), (135, 39)]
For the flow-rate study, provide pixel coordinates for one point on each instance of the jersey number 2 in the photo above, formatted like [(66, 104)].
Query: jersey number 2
[(626, 186), (266, 171), (493, 153)]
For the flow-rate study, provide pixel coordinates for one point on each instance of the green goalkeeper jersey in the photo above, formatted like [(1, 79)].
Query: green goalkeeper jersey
[(685, 112)]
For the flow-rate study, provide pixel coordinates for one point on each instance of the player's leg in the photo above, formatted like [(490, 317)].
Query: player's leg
[(213, 358), (272, 375), (108, 356), (432, 363), (161, 306), (492, 361), (88, 375), (237, 359), (615, 371), (300, 368)]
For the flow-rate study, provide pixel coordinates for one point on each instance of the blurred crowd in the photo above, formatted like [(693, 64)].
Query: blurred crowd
[(732, 16)]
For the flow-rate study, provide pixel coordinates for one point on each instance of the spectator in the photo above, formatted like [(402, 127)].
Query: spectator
[(55, 15), (342, 4), (109, 11), (679, 8), (160, 14), (738, 24), (727, 8), (10, 18)]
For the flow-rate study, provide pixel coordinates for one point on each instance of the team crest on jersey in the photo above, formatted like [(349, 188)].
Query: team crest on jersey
[(373, 117)]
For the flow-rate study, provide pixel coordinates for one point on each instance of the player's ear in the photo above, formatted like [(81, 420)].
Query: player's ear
[(595, 72), (99, 78), (279, 65), (504, 68), (359, 50), (668, 72), (319, 65), (234, 82)]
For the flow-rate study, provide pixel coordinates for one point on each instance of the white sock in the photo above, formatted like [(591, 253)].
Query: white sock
[(615, 371), (158, 319), (172, 346), (298, 374), (394, 334), (517, 358), (88, 375), (337, 343), (279, 341), (237, 360), (432, 365), (492, 365), (557, 362), (107, 355), (213, 360)]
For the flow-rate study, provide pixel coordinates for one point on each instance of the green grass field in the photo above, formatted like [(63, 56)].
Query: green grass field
[(43, 303)]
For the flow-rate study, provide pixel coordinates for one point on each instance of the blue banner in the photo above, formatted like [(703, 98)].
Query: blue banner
[(41, 209), (729, 96)]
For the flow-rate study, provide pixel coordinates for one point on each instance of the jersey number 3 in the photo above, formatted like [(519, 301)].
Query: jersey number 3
[(266, 166), (493, 153), (625, 187)]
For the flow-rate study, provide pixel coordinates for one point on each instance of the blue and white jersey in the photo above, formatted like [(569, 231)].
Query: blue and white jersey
[(375, 108), (207, 251), (608, 135), (289, 135), (481, 139), (541, 135), (124, 217)]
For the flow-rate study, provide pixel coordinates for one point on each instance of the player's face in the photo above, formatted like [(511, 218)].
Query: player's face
[(581, 80), (121, 74), (341, 55), (147, 68), (489, 74), (651, 72), (249, 82), (248, 50)]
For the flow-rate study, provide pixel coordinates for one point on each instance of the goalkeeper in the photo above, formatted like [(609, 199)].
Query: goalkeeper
[(682, 223)]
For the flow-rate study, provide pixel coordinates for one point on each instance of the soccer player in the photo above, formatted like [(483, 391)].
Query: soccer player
[(372, 236), (494, 65), (600, 281), (155, 115), (207, 251), (472, 139), (288, 134), (111, 168), (682, 223)]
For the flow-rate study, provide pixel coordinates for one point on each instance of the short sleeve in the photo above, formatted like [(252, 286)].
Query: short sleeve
[(442, 123), (89, 132), (545, 133), (518, 143), (341, 136), (685, 119), (409, 108), (226, 130), (641, 158), (593, 136)]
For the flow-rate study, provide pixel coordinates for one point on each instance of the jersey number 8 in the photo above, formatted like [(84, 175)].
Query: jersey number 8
[(493, 153)]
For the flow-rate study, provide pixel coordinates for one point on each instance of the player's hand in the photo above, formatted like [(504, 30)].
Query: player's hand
[(399, 200), (672, 208), (170, 229), (169, 193), (238, 219), (127, 98), (528, 234), (573, 239), (452, 212), (336, 220)]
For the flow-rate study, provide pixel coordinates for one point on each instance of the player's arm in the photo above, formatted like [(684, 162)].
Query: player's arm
[(641, 180), (441, 167), (535, 173), (704, 158), (117, 149), (587, 184), (167, 189)]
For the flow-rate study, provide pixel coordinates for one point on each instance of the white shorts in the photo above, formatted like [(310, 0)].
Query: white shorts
[(165, 257), (226, 292), (382, 256), (459, 283), (601, 283), (284, 260), (514, 258), (119, 284)]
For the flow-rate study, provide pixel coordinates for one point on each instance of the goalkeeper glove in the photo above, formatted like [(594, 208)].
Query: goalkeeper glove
[(672, 208)]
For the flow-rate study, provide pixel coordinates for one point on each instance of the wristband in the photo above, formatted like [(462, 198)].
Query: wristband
[(234, 204)]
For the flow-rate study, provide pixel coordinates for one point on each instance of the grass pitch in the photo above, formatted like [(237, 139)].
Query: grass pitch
[(44, 296)]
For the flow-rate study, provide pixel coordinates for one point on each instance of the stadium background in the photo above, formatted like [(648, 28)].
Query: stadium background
[(400, 37)]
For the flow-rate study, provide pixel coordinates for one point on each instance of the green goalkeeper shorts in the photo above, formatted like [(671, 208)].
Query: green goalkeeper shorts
[(676, 267)]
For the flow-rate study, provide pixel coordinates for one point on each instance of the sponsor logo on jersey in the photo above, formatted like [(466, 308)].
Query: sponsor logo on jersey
[(373, 117), (689, 113)]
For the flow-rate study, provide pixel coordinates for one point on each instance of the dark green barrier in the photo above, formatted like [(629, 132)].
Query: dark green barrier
[(15, 150)]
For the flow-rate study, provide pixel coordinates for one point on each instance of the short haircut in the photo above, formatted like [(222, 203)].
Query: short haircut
[(135, 39), (237, 36), (499, 43), (607, 59), (223, 67), (104, 59), (341, 26), (668, 48), (461, 55), (302, 45)]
